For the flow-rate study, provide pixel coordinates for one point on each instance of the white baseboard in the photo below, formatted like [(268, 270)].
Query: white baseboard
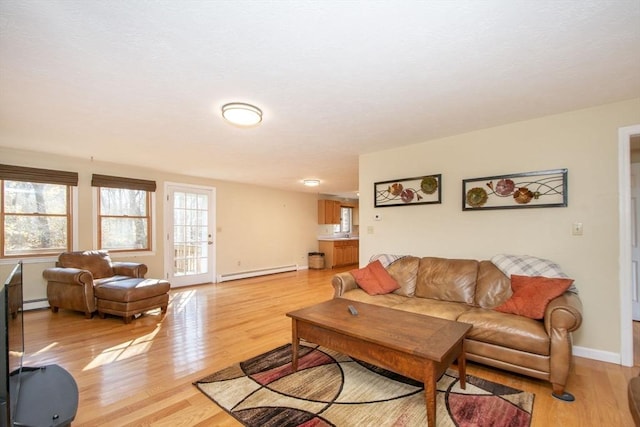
[(35, 305), (602, 356), (255, 273)]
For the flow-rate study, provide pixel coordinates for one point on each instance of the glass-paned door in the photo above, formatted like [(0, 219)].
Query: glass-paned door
[(190, 249)]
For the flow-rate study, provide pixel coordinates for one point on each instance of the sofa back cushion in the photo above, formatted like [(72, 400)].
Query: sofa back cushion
[(405, 272), (493, 287), (97, 262), (447, 279)]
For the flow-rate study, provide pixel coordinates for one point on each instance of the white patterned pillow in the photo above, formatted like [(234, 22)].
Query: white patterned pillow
[(527, 265), (386, 259)]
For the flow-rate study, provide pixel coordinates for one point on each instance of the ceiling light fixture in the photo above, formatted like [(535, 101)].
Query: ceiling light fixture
[(311, 182), (241, 114)]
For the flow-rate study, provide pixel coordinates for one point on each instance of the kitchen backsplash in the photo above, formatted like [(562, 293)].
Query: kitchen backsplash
[(331, 229)]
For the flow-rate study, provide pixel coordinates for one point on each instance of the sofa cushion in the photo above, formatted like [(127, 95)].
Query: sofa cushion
[(388, 300), (405, 272), (132, 289), (111, 279), (507, 330), (493, 287), (97, 262), (531, 295), (431, 307), (447, 279), (374, 279)]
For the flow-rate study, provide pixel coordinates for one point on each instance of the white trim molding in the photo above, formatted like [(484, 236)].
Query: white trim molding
[(600, 355), (624, 261)]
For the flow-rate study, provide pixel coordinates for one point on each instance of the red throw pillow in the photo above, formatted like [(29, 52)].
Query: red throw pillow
[(374, 279), (532, 294), (366, 280)]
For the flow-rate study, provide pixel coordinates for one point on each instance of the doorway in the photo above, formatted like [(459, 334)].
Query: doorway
[(189, 229), (625, 136)]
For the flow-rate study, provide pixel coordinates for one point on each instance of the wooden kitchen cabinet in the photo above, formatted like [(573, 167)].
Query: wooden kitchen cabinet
[(340, 252), (328, 212)]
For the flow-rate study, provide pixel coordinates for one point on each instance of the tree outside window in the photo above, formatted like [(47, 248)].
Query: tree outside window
[(124, 212), (124, 219), (36, 218)]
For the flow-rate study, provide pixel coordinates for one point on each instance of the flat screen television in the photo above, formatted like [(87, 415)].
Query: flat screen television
[(11, 344)]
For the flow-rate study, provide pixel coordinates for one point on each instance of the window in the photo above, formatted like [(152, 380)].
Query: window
[(35, 211), (124, 213), (346, 215)]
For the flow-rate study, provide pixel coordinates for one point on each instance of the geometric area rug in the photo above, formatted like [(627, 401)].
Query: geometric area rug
[(332, 389)]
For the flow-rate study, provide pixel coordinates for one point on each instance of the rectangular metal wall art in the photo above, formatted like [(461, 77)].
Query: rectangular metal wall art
[(542, 189), (420, 190)]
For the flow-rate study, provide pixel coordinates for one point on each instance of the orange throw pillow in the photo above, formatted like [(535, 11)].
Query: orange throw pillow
[(374, 279), (532, 294)]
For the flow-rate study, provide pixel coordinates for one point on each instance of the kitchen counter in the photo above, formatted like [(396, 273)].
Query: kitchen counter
[(339, 251), (334, 239)]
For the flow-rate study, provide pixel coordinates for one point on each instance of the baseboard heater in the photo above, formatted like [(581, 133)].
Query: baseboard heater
[(255, 273), (35, 304)]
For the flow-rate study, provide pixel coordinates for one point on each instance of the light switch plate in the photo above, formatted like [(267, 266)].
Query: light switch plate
[(576, 229)]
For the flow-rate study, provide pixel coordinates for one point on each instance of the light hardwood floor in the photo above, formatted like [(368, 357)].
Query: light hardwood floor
[(142, 373)]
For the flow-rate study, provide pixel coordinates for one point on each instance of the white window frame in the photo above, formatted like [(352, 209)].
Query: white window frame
[(72, 245), (152, 228)]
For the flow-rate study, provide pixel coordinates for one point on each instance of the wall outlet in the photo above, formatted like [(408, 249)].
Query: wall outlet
[(370, 229)]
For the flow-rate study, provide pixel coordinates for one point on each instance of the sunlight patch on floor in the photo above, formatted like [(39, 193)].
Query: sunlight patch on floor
[(181, 299), (45, 349), (124, 350)]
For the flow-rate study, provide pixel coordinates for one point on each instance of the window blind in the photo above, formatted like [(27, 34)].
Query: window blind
[(46, 176), (121, 182)]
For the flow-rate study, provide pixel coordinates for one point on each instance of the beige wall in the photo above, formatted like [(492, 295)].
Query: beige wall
[(257, 226), (584, 141)]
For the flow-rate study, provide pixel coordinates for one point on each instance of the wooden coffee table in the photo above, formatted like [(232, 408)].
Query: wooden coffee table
[(414, 345)]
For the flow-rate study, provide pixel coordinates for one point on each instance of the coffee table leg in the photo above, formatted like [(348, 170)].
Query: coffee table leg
[(295, 343), (462, 367), (430, 394)]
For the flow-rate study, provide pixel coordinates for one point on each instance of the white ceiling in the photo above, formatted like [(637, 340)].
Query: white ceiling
[(142, 82)]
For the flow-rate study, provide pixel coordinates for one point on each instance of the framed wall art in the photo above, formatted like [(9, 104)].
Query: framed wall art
[(542, 189), (420, 190)]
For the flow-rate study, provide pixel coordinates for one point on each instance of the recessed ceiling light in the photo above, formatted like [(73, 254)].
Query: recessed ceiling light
[(241, 114), (311, 182)]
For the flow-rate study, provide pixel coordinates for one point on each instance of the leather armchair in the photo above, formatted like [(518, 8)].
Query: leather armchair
[(70, 285)]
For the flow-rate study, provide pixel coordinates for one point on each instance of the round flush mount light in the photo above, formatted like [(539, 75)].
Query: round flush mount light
[(311, 182), (241, 114)]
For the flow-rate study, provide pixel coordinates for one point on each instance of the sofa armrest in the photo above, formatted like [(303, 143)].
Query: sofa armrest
[(562, 316), (131, 269), (72, 276), (564, 312), (343, 282)]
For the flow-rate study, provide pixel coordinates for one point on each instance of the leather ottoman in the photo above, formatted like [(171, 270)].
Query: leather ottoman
[(131, 296)]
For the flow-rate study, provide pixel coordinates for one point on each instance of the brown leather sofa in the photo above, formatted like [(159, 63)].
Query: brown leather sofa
[(89, 281), (467, 291)]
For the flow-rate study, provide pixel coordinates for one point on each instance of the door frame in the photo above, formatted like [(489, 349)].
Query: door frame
[(168, 223), (635, 239), (624, 239)]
